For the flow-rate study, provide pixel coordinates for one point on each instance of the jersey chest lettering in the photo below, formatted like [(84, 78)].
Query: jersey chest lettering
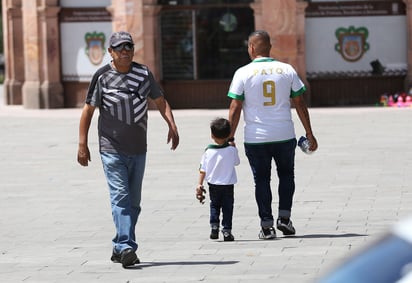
[(267, 71)]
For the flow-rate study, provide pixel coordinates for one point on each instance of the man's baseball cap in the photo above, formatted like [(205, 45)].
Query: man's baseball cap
[(120, 37)]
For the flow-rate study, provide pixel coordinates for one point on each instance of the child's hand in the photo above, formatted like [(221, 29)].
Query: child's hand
[(199, 194)]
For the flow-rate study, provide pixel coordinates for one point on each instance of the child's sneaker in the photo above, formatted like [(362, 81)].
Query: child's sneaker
[(285, 225), (267, 233), (214, 233), (228, 237)]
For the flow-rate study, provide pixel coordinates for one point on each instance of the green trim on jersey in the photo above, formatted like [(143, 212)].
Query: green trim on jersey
[(263, 59), (236, 96), (297, 93), (226, 144), (259, 143)]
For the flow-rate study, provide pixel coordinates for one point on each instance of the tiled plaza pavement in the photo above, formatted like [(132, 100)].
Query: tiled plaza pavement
[(55, 220)]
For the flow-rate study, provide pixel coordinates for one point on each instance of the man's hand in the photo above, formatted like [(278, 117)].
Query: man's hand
[(83, 155), (174, 137), (313, 142)]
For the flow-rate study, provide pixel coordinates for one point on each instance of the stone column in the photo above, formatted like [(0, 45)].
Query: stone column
[(51, 86), (408, 80), (42, 87), (150, 36), (280, 21), (300, 36), (301, 46), (127, 16), (13, 51), (257, 13)]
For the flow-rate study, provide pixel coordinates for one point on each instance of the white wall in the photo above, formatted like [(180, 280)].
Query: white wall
[(75, 62), (387, 42)]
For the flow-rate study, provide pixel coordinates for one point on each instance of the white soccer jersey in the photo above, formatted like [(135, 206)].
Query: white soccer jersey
[(218, 163), (266, 86)]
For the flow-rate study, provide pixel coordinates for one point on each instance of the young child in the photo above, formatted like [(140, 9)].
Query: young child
[(217, 167)]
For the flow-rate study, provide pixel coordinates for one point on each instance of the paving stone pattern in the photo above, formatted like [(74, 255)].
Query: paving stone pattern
[(56, 222)]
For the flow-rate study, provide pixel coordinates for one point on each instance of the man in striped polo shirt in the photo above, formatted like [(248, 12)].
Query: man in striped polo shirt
[(121, 90)]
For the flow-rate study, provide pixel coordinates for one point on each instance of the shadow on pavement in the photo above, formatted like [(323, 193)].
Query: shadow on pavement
[(309, 236), (165, 263), (319, 236)]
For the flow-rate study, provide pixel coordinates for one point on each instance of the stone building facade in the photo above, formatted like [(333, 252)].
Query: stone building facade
[(33, 57)]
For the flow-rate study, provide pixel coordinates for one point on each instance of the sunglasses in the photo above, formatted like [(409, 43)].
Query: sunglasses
[(126, 46)]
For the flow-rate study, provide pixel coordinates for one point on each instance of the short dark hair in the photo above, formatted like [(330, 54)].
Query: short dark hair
[(262, 33), (261, 40), (220, 128)]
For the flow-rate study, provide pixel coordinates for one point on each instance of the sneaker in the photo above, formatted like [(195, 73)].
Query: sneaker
[(267, 233), (285, 225), (228, 237), (214, 234), (128, 257), (115, 257)]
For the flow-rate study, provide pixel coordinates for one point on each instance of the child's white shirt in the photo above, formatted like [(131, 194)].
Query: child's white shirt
[(218, 163)]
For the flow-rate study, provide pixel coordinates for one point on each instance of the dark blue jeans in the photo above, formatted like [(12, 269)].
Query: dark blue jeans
[(221, 199), (260, 159)]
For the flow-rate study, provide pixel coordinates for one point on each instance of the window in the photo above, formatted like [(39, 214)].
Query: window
[(208, 42)]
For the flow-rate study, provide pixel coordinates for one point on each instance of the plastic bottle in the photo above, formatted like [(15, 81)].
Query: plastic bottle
[(304, 145)]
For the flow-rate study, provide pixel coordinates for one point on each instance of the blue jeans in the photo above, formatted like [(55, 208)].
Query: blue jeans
[(260, 159), (124, 175), (221, 199)]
